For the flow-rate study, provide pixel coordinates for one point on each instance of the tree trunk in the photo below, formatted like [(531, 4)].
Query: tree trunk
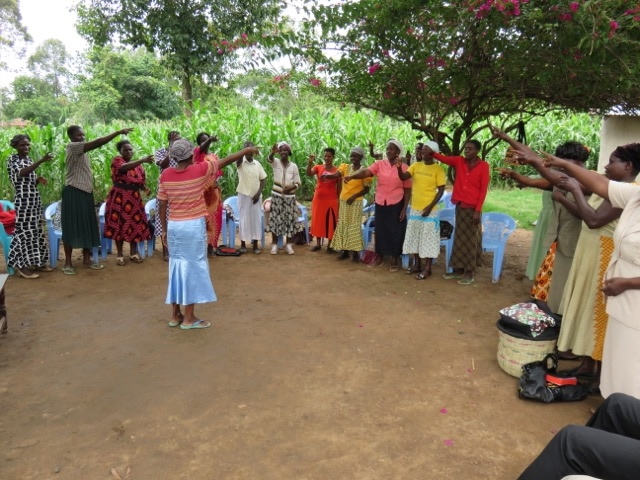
[(187, 92)]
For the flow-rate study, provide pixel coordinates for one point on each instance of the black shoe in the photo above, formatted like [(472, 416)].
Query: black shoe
[(344, 255), (330, 250), (355, 256)]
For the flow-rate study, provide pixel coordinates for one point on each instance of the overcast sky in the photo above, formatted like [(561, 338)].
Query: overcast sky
[(45, 19)]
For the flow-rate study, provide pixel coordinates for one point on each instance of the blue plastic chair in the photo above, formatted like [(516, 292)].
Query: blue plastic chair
[(496, 228), (146, 248), (5, 239), (234, 225), (445, 201), (55, 236), (105, 243), (449, 215)]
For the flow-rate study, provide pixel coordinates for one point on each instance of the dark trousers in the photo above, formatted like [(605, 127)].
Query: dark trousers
[(608, 447)]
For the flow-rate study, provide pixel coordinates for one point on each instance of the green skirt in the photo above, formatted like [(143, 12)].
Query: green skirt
[(79, 220)]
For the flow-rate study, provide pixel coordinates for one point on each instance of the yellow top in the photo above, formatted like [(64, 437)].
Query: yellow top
[(353, 186), (426, 180)]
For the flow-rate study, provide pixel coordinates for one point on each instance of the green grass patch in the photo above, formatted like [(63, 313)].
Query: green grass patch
[(523, 205)]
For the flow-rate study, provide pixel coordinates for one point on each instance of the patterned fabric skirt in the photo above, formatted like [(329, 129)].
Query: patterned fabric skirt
[(29, 243), (283, 219), (423, 235), (467, 241), (250, 218), (390, 230), (213, 202), (189, 279), (124, 218), (584, 320), (348, 234), (540, 287), (79, 220)]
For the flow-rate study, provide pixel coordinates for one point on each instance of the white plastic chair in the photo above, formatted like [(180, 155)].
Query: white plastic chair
[(496, 228), (55, 236), (105, 243), (234, 225), (146, 248), (5, 239)]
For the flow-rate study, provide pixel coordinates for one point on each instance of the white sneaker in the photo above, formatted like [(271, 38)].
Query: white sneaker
[(289, 249), (274, 249)]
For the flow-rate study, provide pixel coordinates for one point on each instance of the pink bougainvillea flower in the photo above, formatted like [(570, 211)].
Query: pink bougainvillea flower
[(453, 101), (244, 36), (409, 30), (574, 6), (385, 53), (613, 25), (315, 82), (374, 68), (224, 42), (220, 51), (565, 17)]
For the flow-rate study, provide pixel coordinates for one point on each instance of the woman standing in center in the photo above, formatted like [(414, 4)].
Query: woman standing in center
[(392, 198), (324, 207), (184, 231)]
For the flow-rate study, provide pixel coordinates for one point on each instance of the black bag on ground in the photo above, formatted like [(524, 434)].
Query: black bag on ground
[(446, 229), (533, 384)]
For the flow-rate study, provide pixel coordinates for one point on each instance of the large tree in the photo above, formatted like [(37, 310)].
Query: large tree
[(456, 66), (194, 37), (12, 30), (50, 62)]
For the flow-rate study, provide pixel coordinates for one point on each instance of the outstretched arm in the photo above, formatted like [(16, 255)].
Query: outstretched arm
[(359, 175), (131, 165), (237, 155), (98, 142), (605, 213), (204, 148), (524, 181), (593, 181)]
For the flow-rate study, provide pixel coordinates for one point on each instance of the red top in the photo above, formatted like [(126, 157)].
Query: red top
[(471, 185), (184, 189), (135, 176)]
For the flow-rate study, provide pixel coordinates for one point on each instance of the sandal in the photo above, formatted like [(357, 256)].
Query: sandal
[(26, 274), (135, 258), (242, 250), (412, 270), (466, 281), (195, 325), (393, 268), (68, 270), (120, 262), (173, 323), (96, 266), (452, 276), (44, 269), (423, 275)]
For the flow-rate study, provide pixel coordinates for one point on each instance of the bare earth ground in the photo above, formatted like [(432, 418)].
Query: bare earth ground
[(314, 369)]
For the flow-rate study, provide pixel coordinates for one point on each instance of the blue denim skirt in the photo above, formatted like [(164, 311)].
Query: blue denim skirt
[(189, 278)]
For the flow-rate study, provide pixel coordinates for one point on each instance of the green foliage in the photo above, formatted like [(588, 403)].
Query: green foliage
[(33, 99), (129, 85), (308, 130), (50, 63), (450, 68), (192, 37)]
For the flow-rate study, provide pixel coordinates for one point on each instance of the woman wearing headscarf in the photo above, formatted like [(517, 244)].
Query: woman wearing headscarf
[(29, 243), (423, 229), (348, 235), (621, 282), (391, 200), (184, 231), (469, 192), (125, 219), (283, 218)]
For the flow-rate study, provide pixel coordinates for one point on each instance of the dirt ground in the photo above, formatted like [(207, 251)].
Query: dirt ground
[(314, 369)]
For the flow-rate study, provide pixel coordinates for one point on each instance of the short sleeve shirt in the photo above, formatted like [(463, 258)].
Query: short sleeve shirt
[(184, 190), (78, 168), (349, 189), (389, 189), (249, 176), (426, 180)]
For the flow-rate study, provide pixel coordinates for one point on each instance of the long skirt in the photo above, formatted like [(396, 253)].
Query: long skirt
[(79, 220), (539, 246), (390, 231), (324, 212), (584, 320), (250, 218), (561, 269), (125, 219), (620, 360), (29, 242), (213, 202), (283, 219), (467, 241), (189, 279), (348, 234), (423, 235), (540, 287)]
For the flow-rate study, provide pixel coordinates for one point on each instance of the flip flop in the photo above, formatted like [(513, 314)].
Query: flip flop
[(423, 276), (242, 250), (411, 271), (120, 261), (135, 258), (96, 266), (393, 268), (195, 325), (466, 281), (175, 324), (68, 270), (451, 276)]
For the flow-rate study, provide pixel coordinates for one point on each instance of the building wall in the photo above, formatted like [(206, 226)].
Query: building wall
[(616, 131)]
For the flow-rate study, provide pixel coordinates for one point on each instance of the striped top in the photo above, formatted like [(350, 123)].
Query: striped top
[(283, 177), (78, 168), (184, 189)]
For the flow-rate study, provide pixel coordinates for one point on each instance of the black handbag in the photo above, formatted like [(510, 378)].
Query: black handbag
[(534, 385)]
